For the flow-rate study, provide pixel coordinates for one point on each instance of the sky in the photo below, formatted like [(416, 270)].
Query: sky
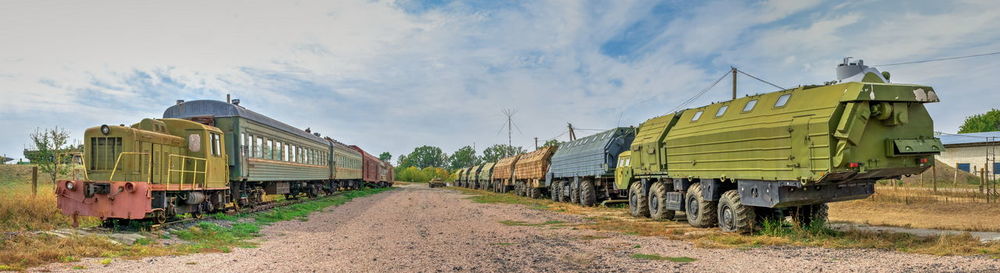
[(394, 75)]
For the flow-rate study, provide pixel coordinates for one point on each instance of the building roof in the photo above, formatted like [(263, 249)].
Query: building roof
[(218, 109), (969, 138)]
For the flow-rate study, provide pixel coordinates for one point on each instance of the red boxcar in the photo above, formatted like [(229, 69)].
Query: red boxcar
[(369, 167)]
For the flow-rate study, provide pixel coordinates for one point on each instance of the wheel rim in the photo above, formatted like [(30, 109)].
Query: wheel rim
[(728, 221), (692, 209)]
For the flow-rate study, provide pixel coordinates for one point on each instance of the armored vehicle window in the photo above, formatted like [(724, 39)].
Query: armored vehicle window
[(697, 115), (722, 111), (749, 106), (782, 100)]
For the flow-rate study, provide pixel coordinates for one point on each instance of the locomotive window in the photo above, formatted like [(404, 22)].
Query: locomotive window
[(697, 115), (749, 106), (782, 100), (722, 111), (216, 145)]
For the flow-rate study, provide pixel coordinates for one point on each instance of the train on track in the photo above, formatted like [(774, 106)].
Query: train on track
[(736, 163), (206, 156)]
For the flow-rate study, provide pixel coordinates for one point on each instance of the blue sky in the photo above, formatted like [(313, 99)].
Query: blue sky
[(392, 75)]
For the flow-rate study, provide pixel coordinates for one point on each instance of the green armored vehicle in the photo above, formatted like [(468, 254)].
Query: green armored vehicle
[(782, 153)]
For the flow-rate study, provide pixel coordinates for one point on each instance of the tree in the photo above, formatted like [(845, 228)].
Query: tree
[(423, 157), (49, 147), (986, 122), (385, 156), (464, 157), (497, 151), (551, 142)]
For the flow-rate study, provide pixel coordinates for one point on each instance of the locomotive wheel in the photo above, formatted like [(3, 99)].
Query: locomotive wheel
[(638, 206), (808, 215), (159, 217), (587, 195), (657, 202), (700, 213), (734, 216), (555, 190)]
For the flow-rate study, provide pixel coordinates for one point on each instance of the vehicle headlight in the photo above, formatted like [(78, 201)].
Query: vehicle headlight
[(70, 185), (105, 129)]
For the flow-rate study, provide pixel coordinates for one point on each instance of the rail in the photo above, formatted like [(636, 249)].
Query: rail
[(183, 171), (118, 161)]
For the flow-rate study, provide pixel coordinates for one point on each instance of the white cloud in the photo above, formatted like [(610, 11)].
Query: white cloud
[(368, 72)]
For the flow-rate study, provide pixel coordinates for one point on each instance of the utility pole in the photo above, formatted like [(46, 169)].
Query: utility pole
[(572, 134), (536, 143), (734, 81)]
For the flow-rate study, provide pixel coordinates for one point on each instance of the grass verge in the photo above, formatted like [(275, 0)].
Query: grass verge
[(655, 257), (771, 234)]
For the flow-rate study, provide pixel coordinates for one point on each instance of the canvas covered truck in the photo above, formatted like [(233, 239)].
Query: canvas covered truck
[(503, 174), (530, 170), (583, 171), (784, 153), (484, 176)]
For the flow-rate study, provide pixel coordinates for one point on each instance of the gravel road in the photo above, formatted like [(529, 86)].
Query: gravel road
[(416, 229)]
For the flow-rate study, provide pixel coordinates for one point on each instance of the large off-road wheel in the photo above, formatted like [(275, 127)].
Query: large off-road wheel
[(574, 193), (638, 206), (555, 190), (734, 216), (808, 215), (700, 213), (534, 193), (588, 196), (657, 202), (564, 189)]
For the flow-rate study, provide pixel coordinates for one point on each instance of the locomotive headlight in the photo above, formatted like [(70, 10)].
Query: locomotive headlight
[(70, 185), (105, 129)]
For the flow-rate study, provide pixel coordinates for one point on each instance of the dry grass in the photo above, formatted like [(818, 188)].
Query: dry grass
[(20, 211), (772, 234), (20, 251), (928, 214)]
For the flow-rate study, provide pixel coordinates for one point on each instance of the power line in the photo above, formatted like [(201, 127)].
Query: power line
[(702, 92), (756, 78), (941, 59)]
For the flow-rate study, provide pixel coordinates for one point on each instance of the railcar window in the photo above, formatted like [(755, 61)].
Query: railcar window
[(697, 115), (268, 149), (782, 100), (749, 106), (243, 145), (284, 152), (722, 111), (258, 149)]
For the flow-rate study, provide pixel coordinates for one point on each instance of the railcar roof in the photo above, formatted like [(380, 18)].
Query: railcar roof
[(219, 109)]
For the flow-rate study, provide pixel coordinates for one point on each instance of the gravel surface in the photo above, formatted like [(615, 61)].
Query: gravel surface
[(416, 229)]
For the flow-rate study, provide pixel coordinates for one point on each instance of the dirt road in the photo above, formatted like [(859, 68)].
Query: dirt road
[(416, 229)]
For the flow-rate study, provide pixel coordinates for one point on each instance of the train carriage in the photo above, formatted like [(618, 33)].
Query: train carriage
[(348, 164), (263, 149), (369, 167)]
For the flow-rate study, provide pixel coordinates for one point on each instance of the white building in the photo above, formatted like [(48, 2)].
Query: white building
[(971, 152)]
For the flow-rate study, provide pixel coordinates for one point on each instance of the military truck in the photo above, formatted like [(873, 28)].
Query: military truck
[(583, 170), (738, 162)]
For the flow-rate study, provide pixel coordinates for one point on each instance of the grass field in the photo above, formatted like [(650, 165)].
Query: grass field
[(21, 211), (772, 234)]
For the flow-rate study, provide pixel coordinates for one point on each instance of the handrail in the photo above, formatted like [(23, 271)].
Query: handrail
[(118, 161), (183, 170)]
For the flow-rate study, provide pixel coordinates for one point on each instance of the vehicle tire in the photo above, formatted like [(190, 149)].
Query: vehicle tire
[(700, 213), (587, 193), (734, 216), (804, 216), (534, 193), (657, 202), (564, 191), (554, 190), (638, 206), (574, 193)]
